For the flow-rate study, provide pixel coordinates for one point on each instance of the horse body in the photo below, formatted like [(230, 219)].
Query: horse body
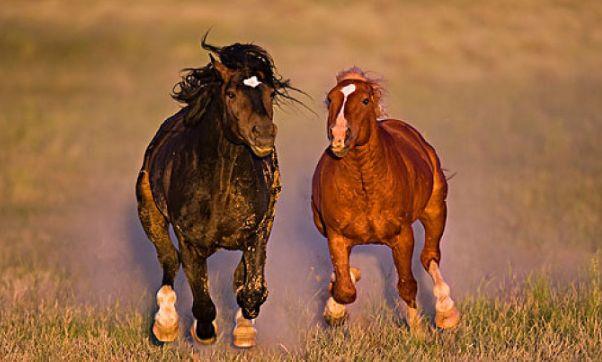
[(389, 180), (214, 192), (374, 181), (211, 171)]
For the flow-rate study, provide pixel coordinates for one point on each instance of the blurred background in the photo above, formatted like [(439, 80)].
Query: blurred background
[(508, 92)]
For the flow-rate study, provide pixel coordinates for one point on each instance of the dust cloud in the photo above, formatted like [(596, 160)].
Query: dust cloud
[(116, 262)]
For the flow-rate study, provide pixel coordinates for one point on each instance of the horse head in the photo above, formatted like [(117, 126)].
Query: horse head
[(242, 83), (353, 107)]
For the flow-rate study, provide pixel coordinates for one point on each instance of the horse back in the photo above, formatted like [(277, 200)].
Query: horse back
[(418, 155)]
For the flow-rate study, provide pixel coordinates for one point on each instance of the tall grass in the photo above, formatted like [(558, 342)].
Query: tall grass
[(535, 321)]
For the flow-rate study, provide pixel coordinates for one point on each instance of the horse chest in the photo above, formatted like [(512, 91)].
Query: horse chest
[(221, 206), (357, 217)]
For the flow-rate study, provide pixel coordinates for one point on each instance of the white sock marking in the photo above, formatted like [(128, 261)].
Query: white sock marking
[(440, 290), (166, 300)]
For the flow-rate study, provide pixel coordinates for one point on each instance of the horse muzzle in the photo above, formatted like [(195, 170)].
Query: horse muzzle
[(263, 138), (339, 140), (339, 151)]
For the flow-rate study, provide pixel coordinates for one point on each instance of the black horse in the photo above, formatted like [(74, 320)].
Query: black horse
[(211, 171)]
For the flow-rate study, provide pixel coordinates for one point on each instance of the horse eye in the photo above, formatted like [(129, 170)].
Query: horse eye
[(327, 102), (230, 95), (366, 101)]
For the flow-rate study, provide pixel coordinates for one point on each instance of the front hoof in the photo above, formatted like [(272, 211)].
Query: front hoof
[(244, 334), (203, 341), (165, 334), (335, 314), (165, 326), (448, 319)]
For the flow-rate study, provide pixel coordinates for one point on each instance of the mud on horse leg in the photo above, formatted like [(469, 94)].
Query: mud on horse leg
[(251, 292)]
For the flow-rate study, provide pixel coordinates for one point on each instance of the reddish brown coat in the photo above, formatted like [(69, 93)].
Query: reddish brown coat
[(371, 190)]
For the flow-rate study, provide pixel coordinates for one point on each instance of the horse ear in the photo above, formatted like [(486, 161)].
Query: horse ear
[(377, 93), (223, 71)]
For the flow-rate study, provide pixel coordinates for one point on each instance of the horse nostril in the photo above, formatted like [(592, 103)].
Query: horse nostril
[(264, 130), (255, 131)]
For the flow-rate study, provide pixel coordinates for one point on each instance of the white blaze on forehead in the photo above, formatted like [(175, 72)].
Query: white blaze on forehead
[(347, 90), (340, 127), (251, 82)]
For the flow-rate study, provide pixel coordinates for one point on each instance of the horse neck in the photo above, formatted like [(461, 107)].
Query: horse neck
[(212, 136), (370, 161)]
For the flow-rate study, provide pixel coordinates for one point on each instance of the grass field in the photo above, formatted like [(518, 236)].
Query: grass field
[(507, 92)]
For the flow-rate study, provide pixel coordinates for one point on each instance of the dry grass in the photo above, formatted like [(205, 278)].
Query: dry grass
[(508, 92)]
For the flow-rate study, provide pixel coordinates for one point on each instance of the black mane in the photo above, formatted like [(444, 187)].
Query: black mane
[(198, 85)]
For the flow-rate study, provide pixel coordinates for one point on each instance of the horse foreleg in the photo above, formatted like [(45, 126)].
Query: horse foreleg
[(335, 313), (251, 292), (402, 248), (204, 327), (342, 286)]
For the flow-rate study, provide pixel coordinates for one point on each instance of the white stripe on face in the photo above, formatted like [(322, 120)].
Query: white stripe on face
[(340, 127)]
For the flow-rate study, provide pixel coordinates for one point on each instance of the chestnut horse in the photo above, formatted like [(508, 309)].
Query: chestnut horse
[(374, 181)]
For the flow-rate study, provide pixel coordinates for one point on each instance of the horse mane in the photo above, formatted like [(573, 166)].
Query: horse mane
[(356, 73), (198, 86)]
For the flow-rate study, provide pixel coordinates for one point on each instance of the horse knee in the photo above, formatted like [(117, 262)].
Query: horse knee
[(344, 293)]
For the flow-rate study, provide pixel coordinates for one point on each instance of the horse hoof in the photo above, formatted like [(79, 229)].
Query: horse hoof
[(335, 314), (448, 319), (417, 329), (415, 323), (165, 334), (165, 326), (245, 334), (334, 321), (205, 342)]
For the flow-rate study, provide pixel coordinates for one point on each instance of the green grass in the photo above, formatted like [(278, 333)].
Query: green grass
[(508, 93)]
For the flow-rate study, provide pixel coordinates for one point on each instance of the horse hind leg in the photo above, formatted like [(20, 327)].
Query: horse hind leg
[(165, 326), (433, 220), (403, 248)]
